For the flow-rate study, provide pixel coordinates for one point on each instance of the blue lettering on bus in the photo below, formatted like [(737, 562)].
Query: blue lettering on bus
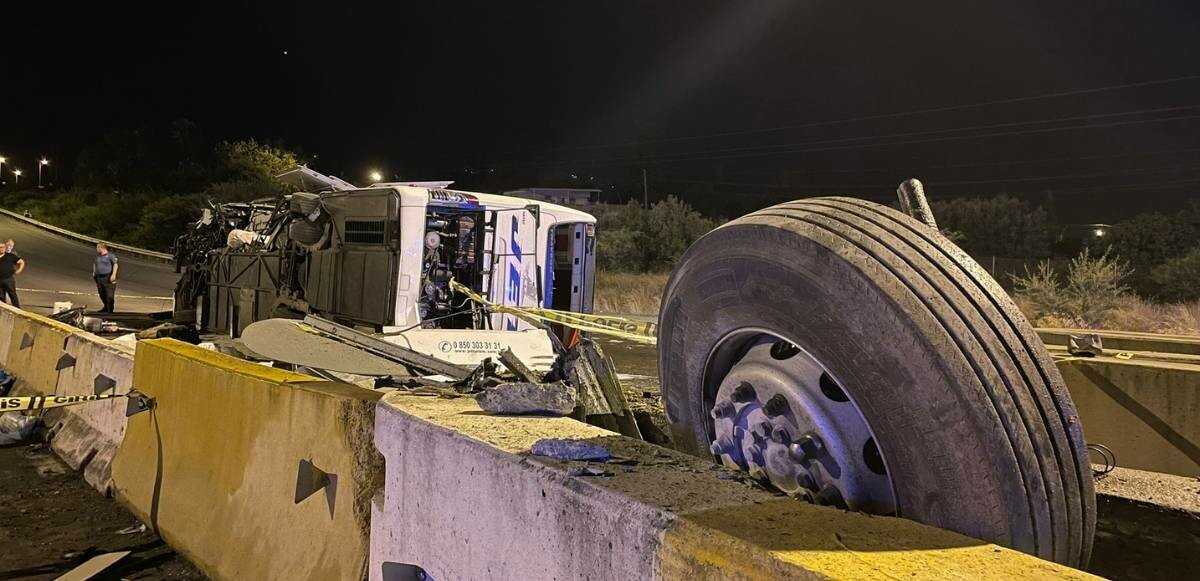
[(513, 287)]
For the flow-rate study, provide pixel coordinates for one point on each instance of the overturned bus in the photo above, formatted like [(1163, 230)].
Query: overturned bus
[(381, 258)]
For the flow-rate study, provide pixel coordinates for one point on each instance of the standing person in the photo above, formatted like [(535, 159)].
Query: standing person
[(105, 272), (10, 266)]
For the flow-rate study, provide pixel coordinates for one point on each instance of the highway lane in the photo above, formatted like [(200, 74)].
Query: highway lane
[(60, 269)]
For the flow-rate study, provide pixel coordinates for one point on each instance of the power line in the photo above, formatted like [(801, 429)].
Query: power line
[(937, 183), (1008, 163), (920, 133), (888, 189), (896, 115), (688, 157)]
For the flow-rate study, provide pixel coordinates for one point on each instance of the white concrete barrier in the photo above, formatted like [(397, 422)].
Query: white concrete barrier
[(463, 500), (87, 436)]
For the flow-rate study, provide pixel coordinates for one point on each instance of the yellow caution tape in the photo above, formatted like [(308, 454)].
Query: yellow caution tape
[(41, 402), (636, 331)]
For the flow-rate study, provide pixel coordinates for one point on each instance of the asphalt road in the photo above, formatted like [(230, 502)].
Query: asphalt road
[(60, 269)]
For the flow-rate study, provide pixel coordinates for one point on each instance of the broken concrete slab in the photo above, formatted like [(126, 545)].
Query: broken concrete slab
[(556, 398)]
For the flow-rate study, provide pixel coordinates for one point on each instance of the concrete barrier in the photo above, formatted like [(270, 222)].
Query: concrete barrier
[(1146, 411), (87, 436), (35, 344), (8, 317), (463, 499), (216, 464), (1127, 341)]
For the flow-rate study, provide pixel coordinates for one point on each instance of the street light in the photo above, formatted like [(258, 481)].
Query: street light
[(16, 177), (41, 163), (2, 160), (376, 176)]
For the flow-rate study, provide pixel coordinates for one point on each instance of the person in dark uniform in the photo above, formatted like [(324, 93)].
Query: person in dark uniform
[(105, 272), (10, 266)]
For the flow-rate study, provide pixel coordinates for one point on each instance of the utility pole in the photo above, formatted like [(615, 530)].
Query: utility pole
[(645, 191)]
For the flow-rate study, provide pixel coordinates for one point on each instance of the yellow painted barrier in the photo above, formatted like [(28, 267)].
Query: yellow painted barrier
[(215, 466), (35, 345)]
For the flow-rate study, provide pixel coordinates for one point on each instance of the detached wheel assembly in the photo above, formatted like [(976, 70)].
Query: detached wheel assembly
[(852, 356)]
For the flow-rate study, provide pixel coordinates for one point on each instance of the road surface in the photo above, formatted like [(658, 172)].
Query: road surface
[(60, 269)]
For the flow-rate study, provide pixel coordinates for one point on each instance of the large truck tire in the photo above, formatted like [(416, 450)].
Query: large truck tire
[(850, 355)]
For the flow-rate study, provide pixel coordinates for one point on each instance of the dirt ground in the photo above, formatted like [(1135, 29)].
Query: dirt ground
[(51, 521)]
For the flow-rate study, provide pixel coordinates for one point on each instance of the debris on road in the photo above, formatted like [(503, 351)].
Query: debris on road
[(185, 333), (569, 450), (601, 398), (6, 382), (518, 367), (557, 399), (133, 530), (588, 470), (1085, 345), (94, 566), (16, 427)]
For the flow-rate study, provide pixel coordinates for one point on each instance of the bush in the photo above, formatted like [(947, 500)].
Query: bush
[(164, 219), (1178, 279), (632, 239), (1092, 292)]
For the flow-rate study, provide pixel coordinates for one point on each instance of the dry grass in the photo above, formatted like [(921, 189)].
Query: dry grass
[(1131, 314), (629, 293)]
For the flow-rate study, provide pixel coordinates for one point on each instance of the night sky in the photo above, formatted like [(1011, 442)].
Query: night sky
[(731, 105)]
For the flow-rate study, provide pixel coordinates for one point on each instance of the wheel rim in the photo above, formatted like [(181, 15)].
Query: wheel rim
[(779, 415)]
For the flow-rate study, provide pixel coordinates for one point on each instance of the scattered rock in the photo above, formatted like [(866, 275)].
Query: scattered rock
[(557, 399), (569, 450)]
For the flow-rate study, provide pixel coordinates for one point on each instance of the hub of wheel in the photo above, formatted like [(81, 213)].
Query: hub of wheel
[(781, 417)]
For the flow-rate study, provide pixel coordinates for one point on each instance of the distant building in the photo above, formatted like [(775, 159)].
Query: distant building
[(578, 197)]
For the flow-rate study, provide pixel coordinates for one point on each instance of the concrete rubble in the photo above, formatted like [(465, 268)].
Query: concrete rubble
[(556, 398)]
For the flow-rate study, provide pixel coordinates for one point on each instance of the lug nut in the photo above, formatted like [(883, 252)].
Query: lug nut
[(743, 393), (779, 435), (723, 409), (776, 406), (808, 447)]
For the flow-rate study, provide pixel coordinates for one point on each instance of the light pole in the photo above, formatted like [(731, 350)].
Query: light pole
[(2, 160), (16, 177), (41, 163)]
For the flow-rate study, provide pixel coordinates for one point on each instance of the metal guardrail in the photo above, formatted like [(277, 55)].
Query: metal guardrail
[(124, 249)]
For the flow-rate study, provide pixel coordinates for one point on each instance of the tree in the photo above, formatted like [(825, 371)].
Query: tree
[(249, 159), (1149, 240), (164, 219), (997, 226)]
